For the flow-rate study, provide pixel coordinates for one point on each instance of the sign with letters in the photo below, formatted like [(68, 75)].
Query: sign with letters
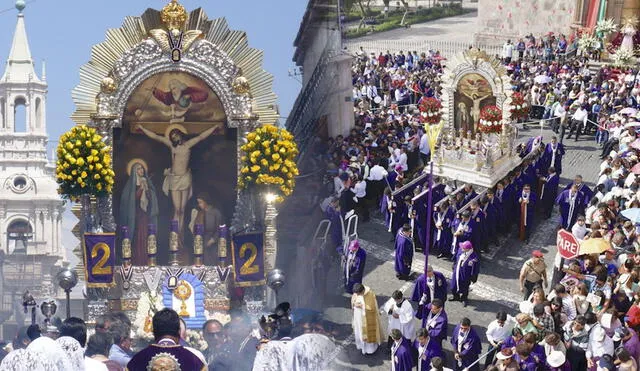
[(567, 244), (99, 259), (247, 253)]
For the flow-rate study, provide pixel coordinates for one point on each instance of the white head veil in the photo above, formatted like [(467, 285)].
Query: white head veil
[(26, 360), (73, 350), (47, 348)]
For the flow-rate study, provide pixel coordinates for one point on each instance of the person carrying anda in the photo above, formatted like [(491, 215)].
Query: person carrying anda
[(533, 273)]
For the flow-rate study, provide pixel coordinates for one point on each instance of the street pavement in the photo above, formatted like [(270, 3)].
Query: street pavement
[(497, 287)]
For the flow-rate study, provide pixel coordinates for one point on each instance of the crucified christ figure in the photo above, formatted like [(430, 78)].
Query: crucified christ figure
[(177, 182), (475, 110)]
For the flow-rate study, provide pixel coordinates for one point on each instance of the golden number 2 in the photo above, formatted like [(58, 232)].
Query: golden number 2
[(248, 267), (100, 268)]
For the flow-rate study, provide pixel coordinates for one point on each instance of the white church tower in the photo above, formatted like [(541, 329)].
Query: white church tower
[(30, 207)]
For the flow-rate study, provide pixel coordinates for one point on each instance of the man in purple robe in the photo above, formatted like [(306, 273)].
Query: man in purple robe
[(461, 229), (465, 271), (434, 319), (426, 349), (429, 287), (442, 236), (166, 351), (404, 252), (549, 192), (587, 193), (469, 193), (466, 346), (401, 352), (478, 232), (553, 155), (571, 204), (354, 266)]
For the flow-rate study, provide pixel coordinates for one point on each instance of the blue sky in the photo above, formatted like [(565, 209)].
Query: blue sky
[(63, 32)]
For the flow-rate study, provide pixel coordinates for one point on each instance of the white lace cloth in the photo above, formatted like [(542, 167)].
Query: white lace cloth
[(308, 352)]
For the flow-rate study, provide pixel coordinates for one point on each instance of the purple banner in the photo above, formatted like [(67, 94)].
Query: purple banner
[(247, 253), (99, 259)]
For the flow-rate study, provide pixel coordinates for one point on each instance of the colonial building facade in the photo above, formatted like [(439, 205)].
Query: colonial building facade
[(30, 207)]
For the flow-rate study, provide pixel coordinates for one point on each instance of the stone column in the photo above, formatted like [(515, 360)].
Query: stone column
[(270, 248)]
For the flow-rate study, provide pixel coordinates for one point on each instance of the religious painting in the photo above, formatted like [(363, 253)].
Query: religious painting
[(473, 92), (175, 163)]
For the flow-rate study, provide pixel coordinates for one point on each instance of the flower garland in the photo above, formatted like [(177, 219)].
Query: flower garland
[(270, 160), (84, 164), (490, 120), (430, 110), (519, 107), (196, 340)]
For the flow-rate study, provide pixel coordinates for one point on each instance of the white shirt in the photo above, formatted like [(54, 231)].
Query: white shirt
[(597, 348), (507, 50), (560, 111), (581, 115), (402, 161), (360, 189), (338, 185), (497, 333), (377, 172), (94, 365), (405, 321), (424, 144), (579, 231)]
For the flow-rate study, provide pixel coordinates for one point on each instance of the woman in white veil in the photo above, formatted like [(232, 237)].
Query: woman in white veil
[(26, 360), (47, 348), (74, 351)]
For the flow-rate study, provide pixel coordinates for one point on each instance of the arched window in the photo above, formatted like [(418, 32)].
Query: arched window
[(20, 115), (3, 122), (19, 233), (38, 113)]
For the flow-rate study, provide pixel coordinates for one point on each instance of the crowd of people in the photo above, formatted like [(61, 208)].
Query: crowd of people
[(586, 316)]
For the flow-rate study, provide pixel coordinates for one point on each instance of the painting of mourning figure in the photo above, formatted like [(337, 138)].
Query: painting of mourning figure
[(473, 92), (175, 162)]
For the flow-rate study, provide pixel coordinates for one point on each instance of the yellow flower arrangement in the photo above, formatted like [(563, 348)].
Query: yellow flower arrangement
[(269, 160), (84, 164)]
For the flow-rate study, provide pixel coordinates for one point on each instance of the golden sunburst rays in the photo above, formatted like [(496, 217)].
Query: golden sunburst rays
[(136, 29)]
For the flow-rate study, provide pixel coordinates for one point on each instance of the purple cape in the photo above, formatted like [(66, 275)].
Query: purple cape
[(404, 254), (187, 360), (567, 221), (439, 286), (548, 153)]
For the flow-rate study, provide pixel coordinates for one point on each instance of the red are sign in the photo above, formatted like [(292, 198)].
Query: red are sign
[(567, 244)]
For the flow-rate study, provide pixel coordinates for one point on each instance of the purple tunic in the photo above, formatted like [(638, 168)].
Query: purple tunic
[(404, 254), (354, 269), (435, 324), (467, 231), (402, 357), (433, 349), (465, 270), (587, 193), (548, 154), (568, 216), (469, 348), (186, 359), (336, 228)]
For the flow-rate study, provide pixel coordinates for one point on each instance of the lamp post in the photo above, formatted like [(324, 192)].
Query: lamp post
[(67, 279)]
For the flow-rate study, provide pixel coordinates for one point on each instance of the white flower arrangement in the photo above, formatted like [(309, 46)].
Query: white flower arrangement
[(623, 57), (606, 26), (587, 43), (149, 303), (196, 340)]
